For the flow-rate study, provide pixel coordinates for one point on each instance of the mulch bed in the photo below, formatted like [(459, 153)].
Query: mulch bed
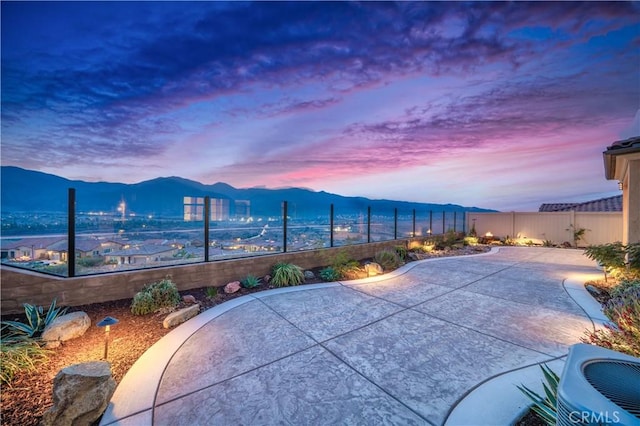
[(30, 394)]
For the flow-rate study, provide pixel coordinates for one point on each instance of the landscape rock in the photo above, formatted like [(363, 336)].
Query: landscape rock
[(373, 269), (309, 275), (65, 327), (180, 316), (187, 298), (232, 287), (81, 393)]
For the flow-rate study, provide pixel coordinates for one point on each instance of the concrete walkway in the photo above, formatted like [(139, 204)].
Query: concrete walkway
[(405, 348)]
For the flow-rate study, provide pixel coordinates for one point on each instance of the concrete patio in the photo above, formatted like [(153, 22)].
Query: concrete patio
[(440, 341)]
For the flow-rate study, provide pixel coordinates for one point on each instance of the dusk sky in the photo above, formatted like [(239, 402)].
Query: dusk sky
[(495, 105)]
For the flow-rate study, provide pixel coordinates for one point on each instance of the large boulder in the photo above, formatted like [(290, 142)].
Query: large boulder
[(373, 269), (232, 287), (81, 393), (65, 327), (180, 316)]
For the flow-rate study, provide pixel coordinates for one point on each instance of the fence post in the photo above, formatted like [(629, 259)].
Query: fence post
[(430, 222), (71, 234), (331, 226), (443, 222), (454, 220), (395, 223), (369, 224), (413, 229), (207, 214), (284, 226)]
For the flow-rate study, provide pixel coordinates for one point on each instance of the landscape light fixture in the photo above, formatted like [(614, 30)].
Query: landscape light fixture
[(107, 322), (620, 185)]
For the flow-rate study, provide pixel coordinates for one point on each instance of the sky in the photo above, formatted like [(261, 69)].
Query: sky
[(495, 105)]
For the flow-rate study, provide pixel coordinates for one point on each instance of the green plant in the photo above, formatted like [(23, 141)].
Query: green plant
[(547, 243), (610, 256), (545, 406), (329, 274), (37, 320), (90, 262), (578, 234), (286, 274), (212, 292), (508, 241), (624, 310), (401, 251), (470, 241), (19, 354), (250, 281), (388, 259), (342, 264), (154, 297), (451, 237)]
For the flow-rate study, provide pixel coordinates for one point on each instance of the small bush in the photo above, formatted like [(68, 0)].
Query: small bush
[(401, 251), (37, 320), (388, 259), (19, 355), (155, 296), (624, 310), (250, 281), (329, 274), (286, 274), (90, 262), (343, 265), (470, 241), (212, 292)]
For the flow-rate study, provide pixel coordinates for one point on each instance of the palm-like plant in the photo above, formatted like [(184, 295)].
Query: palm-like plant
[(545, 406)]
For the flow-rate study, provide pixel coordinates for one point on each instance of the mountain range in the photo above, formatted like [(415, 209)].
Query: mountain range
[(32, 191)]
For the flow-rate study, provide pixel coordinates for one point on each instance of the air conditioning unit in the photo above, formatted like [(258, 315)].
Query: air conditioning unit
[(599, 387)]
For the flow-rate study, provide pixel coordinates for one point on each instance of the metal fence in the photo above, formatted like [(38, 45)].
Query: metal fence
[(110, 242)]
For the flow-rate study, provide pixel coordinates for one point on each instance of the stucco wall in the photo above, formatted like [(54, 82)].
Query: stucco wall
[(20, 286), (600, 227)]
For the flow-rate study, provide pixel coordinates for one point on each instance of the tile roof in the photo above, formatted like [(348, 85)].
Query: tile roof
[(633, 142), (609, 204)]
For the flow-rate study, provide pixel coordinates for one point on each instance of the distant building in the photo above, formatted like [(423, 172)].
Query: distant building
[(194, 209), (609, 204), (242, 208)]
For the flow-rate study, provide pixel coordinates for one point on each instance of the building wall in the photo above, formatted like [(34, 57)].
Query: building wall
[(601, 227), (20, 286)]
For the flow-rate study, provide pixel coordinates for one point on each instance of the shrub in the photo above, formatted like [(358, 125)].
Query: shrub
[(342, 264), (388, 259), (250, 281), (610, 256), (286, 274), (401, 251), (624, 310), (90, 262), (547, 243), (545, 407), (155, 296), (19, 355), (37, 320), (212, 292), (330, 274), (470, 241)]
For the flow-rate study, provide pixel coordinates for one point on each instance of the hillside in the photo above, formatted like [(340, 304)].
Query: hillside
[(32, 191)]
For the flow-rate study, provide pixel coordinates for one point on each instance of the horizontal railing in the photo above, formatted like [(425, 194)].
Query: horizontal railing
[(103, 243)]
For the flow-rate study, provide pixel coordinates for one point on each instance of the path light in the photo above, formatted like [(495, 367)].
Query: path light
[(488, 235), (107, 322)]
